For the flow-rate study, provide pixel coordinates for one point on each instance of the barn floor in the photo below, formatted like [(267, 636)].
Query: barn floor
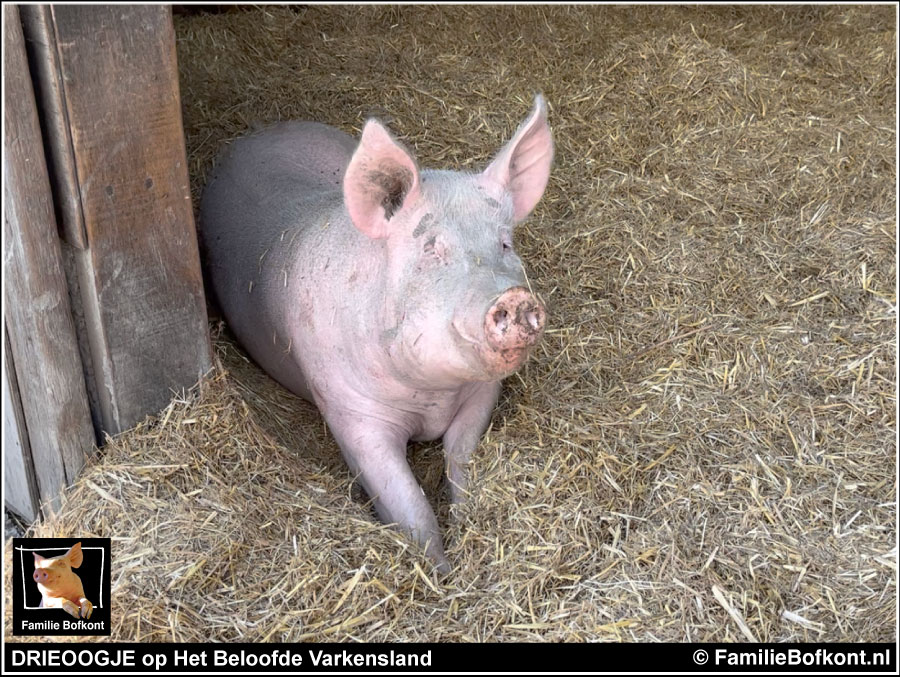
[(703, 446)]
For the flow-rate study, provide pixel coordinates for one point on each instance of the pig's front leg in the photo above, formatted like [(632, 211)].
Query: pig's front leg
[(86, 607), (71, 608), (376, 454), (464, 434)]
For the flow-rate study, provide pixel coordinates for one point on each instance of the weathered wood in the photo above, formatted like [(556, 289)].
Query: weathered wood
[(20, 492), (38, 318), (70, 266), (139, 279), (40, 45)]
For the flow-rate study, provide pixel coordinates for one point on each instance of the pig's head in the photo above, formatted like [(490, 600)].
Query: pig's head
[(50, 571), (457, 305)]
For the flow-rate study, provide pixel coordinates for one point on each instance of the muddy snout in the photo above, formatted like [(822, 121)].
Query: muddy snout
[(515, 321)]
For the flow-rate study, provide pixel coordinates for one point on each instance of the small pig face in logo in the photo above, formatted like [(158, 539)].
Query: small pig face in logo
[(61, 587)]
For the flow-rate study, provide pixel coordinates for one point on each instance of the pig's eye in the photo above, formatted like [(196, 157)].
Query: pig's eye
[(435, 249)]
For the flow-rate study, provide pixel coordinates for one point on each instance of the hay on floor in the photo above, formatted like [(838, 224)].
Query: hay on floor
[(702, 447)]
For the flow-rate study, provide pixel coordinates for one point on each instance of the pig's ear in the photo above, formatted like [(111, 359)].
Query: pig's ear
[(522, 167), (37, 560), (75, 556), (381, 179)]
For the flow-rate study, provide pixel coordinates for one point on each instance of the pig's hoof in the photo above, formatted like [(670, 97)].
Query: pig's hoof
[(435, 553), (70, 608), (458, 495), (86, 608), (441, 563)]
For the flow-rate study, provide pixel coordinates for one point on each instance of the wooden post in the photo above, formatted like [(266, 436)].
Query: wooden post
[(108, 86), (43, 370)]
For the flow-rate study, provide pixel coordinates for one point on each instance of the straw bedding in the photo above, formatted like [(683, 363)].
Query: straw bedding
[(702, 447)]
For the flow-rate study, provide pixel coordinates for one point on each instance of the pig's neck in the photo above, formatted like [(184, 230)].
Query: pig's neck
[(380, 385)]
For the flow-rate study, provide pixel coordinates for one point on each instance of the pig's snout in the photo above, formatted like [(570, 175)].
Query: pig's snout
[(40, 576), (515, 321)]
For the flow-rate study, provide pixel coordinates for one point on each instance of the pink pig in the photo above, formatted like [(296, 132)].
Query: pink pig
[(388, 295), (59, 585)]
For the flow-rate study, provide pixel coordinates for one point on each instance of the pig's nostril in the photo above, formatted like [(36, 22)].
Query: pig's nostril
[(501, 320), (532, 318)]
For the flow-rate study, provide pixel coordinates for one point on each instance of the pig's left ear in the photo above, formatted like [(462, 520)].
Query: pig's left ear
[(75, 556), (522, 167), (38, 559), (381, 179)]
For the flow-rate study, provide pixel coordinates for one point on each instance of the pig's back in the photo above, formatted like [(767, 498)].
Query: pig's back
[(262, 196), (266, 176), (290, 153)]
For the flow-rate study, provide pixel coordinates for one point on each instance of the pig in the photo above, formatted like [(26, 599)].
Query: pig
[(60, 586), (388, 295)]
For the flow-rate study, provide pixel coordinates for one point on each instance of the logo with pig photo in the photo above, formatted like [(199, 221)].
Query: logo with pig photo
[(61, 586)]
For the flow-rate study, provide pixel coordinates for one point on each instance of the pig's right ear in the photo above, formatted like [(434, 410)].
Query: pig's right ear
[(381, 179), (75, 556), (37, 560)]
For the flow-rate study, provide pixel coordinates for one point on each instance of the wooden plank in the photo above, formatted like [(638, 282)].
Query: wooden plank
[(37, 313), (70, 266), (141, 289), (40, 45), (20, 492)]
